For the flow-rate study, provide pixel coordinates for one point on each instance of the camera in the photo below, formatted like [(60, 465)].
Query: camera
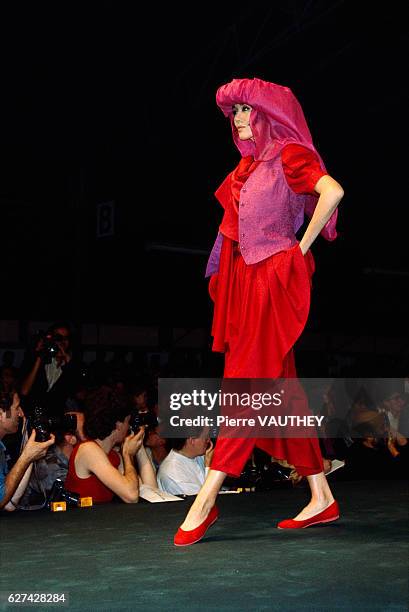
[(147, 419), (59, 493), (44, 424), (41, 424), (50, 346)]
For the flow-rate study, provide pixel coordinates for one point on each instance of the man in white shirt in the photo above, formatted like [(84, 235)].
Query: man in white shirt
[(185, 468)]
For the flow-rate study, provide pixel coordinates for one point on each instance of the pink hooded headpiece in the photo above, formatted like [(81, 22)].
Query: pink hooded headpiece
[(276, 120)]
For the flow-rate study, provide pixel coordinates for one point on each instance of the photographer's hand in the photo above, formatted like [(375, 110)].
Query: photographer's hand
[(130, 447), (133, 442), (209, 454), (36, 450), (39, 347)]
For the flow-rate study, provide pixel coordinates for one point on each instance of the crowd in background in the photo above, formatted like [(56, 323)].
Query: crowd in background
[(94, 430)]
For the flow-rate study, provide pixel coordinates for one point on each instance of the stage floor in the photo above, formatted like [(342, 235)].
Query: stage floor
[(121, 557)]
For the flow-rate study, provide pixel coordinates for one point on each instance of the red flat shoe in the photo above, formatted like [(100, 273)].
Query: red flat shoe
[(186, 538), (326, 516)]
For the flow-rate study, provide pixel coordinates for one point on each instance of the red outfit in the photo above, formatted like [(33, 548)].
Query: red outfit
[(90, 486), (260, 310)]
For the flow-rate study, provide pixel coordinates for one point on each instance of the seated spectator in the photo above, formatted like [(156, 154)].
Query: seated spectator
[(79, 430), (185, 468), (154, 444), (97, 470), (47, 470), (375, 453), (14, 482), (8, 382), (404, 416), (391, 404), (155, 447)]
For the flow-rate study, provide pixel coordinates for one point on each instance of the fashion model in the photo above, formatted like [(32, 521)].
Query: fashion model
[(261, 278)]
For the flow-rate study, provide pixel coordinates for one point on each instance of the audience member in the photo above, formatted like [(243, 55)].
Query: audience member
[(46, 471), (8, 382), (154, 444), (50, 377), (184, 470), (97, 470), (155, 447), (375, 453), (79, 430), (14, 482), (392, 404)]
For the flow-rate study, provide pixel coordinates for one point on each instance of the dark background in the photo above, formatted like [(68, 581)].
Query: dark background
[(116, 101)]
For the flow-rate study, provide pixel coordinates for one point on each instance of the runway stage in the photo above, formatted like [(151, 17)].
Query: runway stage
[(121, 557)]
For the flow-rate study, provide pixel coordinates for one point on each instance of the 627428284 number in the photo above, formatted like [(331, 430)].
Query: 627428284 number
[(34, 598)]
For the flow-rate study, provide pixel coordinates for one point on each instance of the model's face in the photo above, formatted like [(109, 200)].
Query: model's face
[(241, 114)]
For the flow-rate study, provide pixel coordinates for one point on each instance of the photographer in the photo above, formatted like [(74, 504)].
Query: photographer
[(155, 446), (51, 375), (14, 482), (54, 465), (96, 469)]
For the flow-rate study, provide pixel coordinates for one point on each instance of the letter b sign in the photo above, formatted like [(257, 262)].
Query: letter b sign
[(105, 219)]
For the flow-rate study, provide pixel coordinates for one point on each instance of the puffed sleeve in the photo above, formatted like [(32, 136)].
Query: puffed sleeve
[(302, 168)]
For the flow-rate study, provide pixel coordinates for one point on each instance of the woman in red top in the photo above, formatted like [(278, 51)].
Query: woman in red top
[(95, 469), (260, 309)]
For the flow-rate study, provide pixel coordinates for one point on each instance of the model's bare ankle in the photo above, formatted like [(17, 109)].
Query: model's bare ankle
[(198, 512), (318, 503), (202, 509), (324, 499)]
